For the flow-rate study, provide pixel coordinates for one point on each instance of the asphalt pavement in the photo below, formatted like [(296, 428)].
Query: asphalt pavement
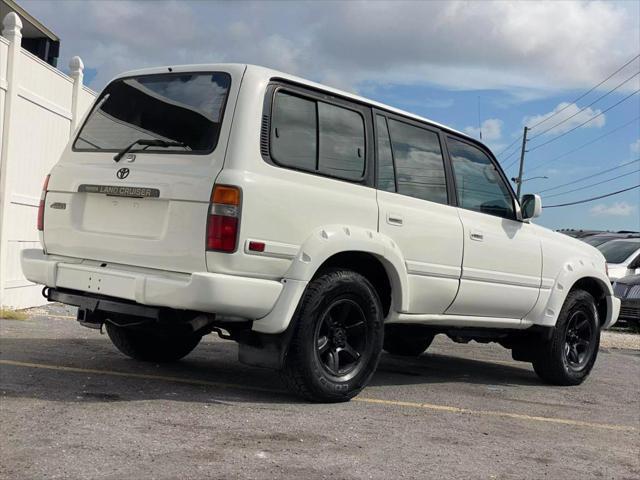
[(72, 406)]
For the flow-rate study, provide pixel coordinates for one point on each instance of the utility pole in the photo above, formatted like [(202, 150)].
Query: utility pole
[(522, 152)]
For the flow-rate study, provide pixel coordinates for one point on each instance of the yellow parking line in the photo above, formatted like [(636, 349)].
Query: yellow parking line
[(373, 401), (144, 376), (519, 416)]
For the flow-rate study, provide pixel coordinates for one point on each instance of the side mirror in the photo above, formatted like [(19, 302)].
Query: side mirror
[(531, 206)]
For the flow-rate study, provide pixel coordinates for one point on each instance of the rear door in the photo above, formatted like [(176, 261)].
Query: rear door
[(413, 211), (502, 267), (150, 208)]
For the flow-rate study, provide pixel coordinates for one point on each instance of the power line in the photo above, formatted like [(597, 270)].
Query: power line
[(584, 144), (591, 176), (592, 198), (585, 94), (583, 123), (592, 184), (510, 145), (507, 158), (587, 106)]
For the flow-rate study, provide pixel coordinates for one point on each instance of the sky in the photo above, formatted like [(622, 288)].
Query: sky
[(481, 66)]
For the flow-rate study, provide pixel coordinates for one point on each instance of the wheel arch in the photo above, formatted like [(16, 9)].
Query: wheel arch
[(366, 251), (598, 291), (361, 249), (575, 274)]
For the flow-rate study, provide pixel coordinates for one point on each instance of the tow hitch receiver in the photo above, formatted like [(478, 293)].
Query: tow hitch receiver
[(89, 319)]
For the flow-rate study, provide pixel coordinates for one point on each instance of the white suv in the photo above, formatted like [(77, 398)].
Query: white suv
[(313, 227)]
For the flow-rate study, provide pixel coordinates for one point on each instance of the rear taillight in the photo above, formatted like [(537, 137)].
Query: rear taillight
[(41, 205), (224, 219)]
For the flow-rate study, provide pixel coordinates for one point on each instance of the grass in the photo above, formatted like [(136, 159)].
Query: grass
[(10, 314)]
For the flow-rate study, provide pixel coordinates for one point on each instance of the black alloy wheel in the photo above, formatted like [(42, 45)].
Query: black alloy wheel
[(579, 340), (341, 338)]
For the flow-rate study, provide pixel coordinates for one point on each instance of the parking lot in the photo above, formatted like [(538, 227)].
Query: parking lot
[(73, 407)]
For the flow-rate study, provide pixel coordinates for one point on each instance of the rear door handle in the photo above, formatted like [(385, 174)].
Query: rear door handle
[(394, 219), (477, 236)]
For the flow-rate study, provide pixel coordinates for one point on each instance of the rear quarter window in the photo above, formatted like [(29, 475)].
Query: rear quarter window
[(316, 136)]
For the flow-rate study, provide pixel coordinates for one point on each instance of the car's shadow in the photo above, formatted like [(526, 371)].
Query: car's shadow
[(91, 369)]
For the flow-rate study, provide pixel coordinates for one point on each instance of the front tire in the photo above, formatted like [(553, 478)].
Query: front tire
[(568, 356), (337, 339), (151, 346)]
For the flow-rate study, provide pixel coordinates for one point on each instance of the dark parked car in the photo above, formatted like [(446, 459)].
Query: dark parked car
[(600, 238), (627, 289), (580, 233)]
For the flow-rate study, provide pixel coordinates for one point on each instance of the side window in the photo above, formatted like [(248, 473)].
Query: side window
[(293, 131), (478, 183), (341, 141), (311, 135), (419, 163), (386, 175)]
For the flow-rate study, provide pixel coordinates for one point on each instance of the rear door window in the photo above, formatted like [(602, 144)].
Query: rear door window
[(316, 136), (386, 174), (419, 164), (179, 107)]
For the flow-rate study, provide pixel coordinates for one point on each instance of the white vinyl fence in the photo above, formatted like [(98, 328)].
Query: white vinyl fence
[(40, 108)]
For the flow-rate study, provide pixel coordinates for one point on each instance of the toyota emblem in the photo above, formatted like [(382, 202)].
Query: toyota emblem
[(122, 173)]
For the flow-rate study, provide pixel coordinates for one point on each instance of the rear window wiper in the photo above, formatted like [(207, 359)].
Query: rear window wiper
[(148, 143)]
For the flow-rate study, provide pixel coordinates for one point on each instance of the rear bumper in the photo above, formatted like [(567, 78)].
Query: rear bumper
[(245, 297)]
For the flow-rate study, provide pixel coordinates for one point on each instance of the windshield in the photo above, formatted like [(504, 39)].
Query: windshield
[(596, 240), (186, 108), (617, 251)]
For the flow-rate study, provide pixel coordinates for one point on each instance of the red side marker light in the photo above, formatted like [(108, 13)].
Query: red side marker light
[(256, 246)]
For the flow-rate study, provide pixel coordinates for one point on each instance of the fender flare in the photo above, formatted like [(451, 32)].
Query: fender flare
[(321, 245), (333, 239), (572, 271)]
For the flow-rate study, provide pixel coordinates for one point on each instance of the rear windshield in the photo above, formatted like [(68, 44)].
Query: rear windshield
[(617, 251), (178, 107)]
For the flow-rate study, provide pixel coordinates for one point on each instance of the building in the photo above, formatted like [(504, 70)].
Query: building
[(36, 38)]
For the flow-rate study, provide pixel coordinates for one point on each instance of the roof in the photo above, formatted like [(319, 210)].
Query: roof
[(32, 27), (269, 73)]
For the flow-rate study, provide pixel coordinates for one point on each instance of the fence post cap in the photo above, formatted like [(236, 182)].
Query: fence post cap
[(11, 22), (76, 65), (12, 19)]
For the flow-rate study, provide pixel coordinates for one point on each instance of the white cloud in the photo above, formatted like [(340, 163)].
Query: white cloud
[(491, 130), (527, 48), (635, 146), (617, 209), (567, 116)]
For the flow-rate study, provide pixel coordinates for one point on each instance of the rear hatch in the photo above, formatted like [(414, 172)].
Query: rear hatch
[(150, 208)]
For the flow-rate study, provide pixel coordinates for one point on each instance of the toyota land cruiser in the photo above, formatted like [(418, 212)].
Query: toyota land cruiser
[(313, 227)]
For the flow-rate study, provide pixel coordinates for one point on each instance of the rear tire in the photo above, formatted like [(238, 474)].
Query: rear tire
[(151, 346), (337, 339), (406, 340), (568, 356)]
